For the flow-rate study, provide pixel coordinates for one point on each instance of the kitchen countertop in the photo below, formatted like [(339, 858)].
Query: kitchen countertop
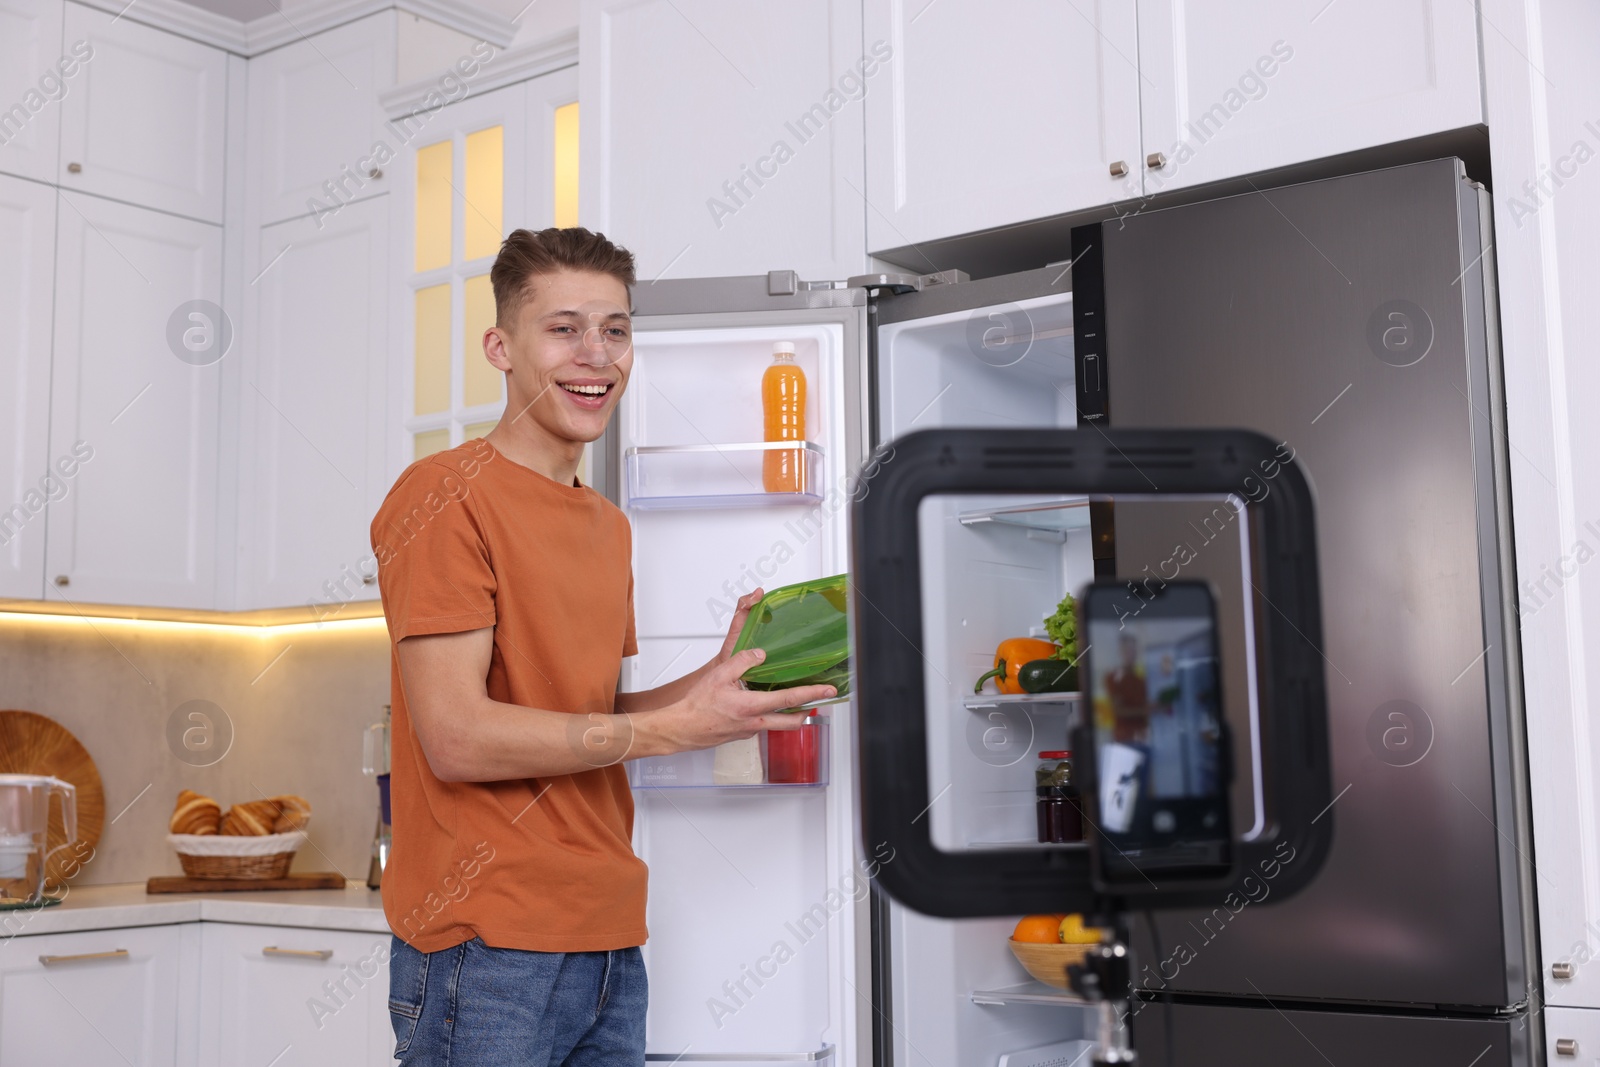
[(102, 907)]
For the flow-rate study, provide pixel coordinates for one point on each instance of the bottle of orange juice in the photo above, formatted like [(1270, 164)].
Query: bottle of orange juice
[(783, 407)]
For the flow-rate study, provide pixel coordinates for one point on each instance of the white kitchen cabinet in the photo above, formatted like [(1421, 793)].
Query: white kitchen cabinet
[(964, 133), (138, 523), (31, 86), (315, 122), (1231, 89), (27, 233), (1571, 1036), (143, 120), (100, 997), (313, 408), (294, 997), (717, 143)]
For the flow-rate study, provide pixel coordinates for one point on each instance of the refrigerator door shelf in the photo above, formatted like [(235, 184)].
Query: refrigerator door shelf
[(802, 764), (718, 475)]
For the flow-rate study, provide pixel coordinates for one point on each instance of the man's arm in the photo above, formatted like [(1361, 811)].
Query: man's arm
[(468, 737)]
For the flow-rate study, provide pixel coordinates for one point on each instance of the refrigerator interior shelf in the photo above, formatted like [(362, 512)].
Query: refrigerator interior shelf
[(1045, 516), (1029, 992), (1067, 702), (718, 475), (731, 1059), (984, 844)]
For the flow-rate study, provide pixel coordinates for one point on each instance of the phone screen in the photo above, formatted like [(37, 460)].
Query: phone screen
[(1157, 787)]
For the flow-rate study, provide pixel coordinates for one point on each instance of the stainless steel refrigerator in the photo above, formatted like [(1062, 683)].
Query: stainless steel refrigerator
[(1353, 319)]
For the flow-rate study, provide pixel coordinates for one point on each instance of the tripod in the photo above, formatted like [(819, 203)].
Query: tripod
[(1105, 980)]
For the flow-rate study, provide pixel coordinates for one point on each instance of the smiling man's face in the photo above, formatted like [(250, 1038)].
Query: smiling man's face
[(567, 355)]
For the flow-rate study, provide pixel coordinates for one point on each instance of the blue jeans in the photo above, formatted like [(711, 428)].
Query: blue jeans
[(476, 1006)]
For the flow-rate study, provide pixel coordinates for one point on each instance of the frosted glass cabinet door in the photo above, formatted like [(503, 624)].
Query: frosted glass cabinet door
[(143, 119), (27, 233), (31, 86), (312, 452), (136, 521), (990, 114), (1230, 89), (722, 139)]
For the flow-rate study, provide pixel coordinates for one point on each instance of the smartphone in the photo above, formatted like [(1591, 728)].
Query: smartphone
[(1153, 751)]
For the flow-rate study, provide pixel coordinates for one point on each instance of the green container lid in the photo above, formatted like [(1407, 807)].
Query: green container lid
[(805, 631)]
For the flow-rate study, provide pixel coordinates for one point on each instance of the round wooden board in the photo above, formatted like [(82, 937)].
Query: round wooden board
[(34, 744)]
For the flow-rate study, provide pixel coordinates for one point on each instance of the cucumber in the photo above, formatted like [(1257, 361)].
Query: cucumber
[(1048, 676)]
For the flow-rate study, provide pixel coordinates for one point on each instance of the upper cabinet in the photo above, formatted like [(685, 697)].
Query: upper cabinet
[(724, 139), (27, 480), (35, 72), (1117, 102), (312, 413), (963, 134), (134, 406), (146, 123), (315, 124), (1231, 89)]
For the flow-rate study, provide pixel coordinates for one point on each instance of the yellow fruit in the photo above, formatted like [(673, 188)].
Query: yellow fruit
[(1073, 932), (1038, 929)]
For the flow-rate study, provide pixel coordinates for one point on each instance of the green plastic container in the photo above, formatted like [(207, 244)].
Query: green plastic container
[(805, 631)]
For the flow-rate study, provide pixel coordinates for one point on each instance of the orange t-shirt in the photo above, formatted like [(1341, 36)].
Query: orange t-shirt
[(468, 539)]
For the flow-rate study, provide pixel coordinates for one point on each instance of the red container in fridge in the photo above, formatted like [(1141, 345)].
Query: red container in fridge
[(794, 756)]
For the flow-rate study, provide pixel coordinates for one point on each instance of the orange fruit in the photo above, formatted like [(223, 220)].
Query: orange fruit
[(1038, 929)]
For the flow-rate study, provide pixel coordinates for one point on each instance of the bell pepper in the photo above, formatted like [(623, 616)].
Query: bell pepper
[(1008, 660)]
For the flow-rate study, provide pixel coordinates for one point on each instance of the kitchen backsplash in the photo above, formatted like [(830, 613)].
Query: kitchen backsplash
[(297, 700)]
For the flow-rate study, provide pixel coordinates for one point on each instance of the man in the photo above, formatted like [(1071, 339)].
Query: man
[(513, 892)]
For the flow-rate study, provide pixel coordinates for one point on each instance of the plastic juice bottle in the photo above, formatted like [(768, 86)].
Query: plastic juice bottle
[(783, 408)]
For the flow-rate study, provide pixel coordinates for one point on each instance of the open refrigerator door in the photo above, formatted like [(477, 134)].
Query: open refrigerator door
[(757, 886), (995, 352)]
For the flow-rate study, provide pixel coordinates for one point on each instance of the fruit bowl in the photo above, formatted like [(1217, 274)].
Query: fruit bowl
[(1046, 962)]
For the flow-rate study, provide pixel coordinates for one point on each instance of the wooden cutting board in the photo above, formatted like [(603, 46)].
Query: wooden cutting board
[(35, 744), (178, 883)]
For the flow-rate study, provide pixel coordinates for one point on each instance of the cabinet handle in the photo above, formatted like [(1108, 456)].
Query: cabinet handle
[(375, 172), (368, 579), (114, 954), (1155, 160), (62, 579), (1566, 1046), (1563, 970), (1118, 169), (74, 168), (299, 953)]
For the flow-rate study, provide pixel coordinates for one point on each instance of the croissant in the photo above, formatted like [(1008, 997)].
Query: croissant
[(254, 819), (195, 814), (295, 813)]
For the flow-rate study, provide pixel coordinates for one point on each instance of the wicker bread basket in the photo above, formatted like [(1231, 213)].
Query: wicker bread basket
[(1048, 962), (227, 856)]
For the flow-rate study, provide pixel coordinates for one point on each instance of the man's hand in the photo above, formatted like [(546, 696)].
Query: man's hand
[(741, 612), (718, 709)]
